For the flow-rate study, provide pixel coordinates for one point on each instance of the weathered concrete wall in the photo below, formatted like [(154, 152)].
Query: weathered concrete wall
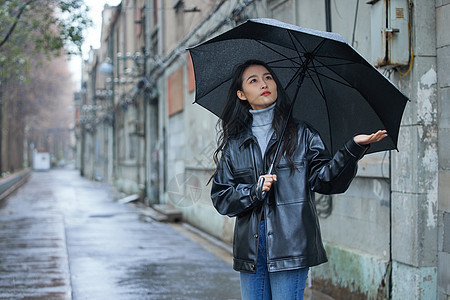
[(360, 217), (191, 138), (443, 70), (129, 173), (357, 235), (414, 169), (200, 126), (403, 189), (351, 274)]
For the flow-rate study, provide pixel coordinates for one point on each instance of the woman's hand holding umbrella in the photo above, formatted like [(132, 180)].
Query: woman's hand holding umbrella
[(267, 181)]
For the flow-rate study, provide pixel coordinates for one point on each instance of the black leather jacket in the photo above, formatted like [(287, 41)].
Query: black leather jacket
[(292, 227)]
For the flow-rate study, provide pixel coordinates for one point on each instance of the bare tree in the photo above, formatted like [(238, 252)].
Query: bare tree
[(35, 90)]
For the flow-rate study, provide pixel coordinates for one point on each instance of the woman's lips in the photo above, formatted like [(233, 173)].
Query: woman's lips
[(265, 93)]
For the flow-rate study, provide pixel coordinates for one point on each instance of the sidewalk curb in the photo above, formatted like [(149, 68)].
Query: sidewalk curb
[(12, 183), (210, 238)]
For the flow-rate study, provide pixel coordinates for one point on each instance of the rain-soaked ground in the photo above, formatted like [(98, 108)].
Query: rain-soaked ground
[(65, 237)]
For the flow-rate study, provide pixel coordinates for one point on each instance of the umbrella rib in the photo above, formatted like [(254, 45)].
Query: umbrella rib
[(348, 62), (282, 67), (320, 89), (344, 82), (291, 36), (310, 57), (276, 51), (337, 65), (301, 75), (351, 86), (210, 91), (291, 59), (339, 58), (286, 58), (333, 79), (316, 56)]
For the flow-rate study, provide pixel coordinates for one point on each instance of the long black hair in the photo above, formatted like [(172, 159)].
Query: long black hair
[(236, 117)]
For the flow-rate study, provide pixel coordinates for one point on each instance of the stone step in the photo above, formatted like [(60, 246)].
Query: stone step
[(173, 214)]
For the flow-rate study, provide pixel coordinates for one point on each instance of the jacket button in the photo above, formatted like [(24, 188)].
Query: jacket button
[(253, 267), (256, 236)]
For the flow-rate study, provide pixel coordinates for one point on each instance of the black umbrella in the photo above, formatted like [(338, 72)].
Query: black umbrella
[(339, 93)]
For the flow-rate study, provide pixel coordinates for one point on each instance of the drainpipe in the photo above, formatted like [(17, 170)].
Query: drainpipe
[(328, 15), (146, 52), (1, 119), (389, 271)]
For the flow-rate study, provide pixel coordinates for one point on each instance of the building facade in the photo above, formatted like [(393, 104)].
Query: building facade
[(388, 236)]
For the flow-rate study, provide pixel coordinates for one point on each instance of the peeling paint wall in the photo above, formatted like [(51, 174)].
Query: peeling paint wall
[(357, 274), (415, 169), (427, 113), (443, 204)]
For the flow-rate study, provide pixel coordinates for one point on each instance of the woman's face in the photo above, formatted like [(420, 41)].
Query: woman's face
[(258, 87)]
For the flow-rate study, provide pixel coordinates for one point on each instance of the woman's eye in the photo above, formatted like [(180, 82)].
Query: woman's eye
[(268, 77)]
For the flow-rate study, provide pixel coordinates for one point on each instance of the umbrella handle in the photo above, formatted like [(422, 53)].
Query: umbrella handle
[(260, 193)]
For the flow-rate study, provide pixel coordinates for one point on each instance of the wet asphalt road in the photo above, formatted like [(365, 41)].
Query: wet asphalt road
[(65, 237)]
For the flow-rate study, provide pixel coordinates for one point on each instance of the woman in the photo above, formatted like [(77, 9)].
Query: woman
[(277, 236)]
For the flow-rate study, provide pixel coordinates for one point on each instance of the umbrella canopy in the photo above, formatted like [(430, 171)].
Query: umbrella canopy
[(333, 87)]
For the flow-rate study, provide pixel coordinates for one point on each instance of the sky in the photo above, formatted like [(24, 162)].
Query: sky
[(92, 36)]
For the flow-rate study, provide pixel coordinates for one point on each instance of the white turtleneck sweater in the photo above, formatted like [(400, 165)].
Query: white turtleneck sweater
[(262, 126)]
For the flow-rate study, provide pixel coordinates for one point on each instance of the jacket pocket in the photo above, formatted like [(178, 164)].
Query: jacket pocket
[(298, 163), (290, 186), (244, 175)]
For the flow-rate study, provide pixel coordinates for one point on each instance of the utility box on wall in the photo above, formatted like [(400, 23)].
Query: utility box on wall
[(398, 33), (390, 32)]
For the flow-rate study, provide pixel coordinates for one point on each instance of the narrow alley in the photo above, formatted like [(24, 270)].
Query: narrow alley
[(65, 237)]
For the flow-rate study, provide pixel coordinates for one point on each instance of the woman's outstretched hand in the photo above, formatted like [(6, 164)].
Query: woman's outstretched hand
[(366, 139)]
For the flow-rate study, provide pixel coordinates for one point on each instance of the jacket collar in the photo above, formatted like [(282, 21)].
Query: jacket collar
[(246, 136)]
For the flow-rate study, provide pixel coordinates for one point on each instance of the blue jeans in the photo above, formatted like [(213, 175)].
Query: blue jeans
[(264, 285)]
